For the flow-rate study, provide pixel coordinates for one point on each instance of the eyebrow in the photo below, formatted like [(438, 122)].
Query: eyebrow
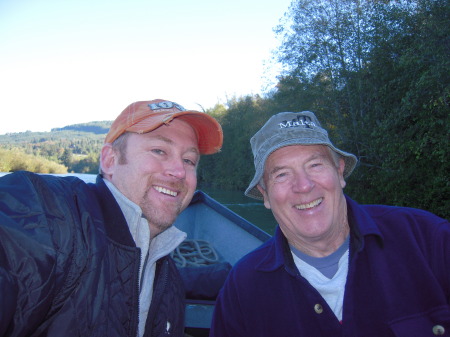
[(317, 155), (170, 142), (275, 170), (313, 156), (164, 139)]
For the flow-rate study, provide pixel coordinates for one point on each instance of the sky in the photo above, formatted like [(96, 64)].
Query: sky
[(65, 62)]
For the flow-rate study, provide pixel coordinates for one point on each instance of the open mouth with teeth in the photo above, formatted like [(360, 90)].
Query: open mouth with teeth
[(309, 205), (166, 191)]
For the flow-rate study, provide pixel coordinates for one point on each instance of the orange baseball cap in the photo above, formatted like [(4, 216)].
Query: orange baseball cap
[(146, 116)]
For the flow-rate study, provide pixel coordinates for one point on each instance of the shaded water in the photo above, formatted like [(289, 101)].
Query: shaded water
[(250, 209)]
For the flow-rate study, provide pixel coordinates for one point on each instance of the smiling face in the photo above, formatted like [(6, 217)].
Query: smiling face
[(304, 190), (158, 173)]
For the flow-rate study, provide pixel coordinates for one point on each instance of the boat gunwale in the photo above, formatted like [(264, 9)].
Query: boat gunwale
[(200, 196)]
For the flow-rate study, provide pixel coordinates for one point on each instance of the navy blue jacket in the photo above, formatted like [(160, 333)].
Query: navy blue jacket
[(398, 283), (69, 265)]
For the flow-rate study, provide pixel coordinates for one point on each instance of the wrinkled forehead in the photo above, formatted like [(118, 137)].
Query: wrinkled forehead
[(297, 152)]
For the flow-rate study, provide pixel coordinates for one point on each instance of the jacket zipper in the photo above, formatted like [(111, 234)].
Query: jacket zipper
[(157, 297), (138, 291)]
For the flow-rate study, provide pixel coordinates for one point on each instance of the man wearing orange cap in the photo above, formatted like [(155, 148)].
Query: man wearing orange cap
[(81, 259)]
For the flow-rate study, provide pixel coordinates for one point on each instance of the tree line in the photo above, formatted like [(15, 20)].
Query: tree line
[(75, 148), (377, 75)]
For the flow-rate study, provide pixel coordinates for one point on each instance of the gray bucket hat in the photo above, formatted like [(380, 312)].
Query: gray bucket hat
[(290, 128)]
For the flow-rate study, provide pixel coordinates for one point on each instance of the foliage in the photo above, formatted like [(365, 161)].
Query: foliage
[(377, 74), (75, 146), (410, 142), (86, 164), (17, 160), (232, 168)]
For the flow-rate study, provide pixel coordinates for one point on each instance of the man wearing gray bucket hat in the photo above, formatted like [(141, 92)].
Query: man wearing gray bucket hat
[(334, 267)]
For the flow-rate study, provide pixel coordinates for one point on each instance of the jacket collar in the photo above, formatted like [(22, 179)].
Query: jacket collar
[(361, 225), (115, 223), (279, 254)]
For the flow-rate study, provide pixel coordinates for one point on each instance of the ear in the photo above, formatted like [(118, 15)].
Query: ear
[(341, 172), (108, 159), (265, 196)]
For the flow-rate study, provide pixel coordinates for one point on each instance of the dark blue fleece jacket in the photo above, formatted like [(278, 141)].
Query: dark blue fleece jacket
[(398, 283)]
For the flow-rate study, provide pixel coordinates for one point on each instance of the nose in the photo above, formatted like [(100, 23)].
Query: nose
[(176, 168), (303, 182)]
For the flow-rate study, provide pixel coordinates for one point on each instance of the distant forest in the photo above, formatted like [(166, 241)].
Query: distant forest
[(74, 148), (377, 74)]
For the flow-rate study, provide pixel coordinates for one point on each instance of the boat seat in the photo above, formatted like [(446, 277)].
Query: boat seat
[(203, 272)]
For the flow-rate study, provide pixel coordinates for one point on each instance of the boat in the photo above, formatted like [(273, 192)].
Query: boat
[(224, 237)]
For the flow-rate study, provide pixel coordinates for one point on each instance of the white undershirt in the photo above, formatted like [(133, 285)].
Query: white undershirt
[(332, 290)]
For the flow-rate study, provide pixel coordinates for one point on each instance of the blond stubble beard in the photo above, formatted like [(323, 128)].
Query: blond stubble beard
[(159, 218)]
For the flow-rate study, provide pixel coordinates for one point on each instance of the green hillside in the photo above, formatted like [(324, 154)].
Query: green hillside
[(75, 147)]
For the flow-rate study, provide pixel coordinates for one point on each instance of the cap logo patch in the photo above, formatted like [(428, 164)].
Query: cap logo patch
[(304, 121), (165, 105)]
